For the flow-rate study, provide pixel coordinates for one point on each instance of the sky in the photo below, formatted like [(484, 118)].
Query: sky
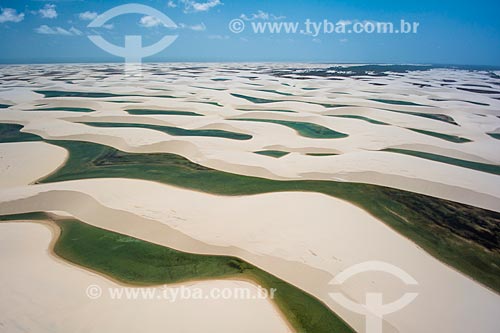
[(449, 32)]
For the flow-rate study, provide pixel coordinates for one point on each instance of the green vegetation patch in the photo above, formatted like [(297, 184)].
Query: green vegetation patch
[(494, 135), (433, 116), (59, 93), (161, 112), (63, 108), (320, 154), (276, 92), (258, 100), (351, 116), (395, 102), (489, 168), (308, 130), (255, 100), (272, 153), (12, 133), (138, 262), (447, 137), (289, 111), (177, 131), (460, 235)]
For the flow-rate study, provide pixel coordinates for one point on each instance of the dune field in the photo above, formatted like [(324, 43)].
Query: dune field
[(279, 175)]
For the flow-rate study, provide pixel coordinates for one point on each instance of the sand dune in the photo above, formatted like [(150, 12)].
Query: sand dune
[(303, 238), (24, 162), (42, 305), (236, 156), (319, 238)]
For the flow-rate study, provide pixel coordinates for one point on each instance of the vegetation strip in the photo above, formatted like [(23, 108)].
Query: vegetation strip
[(396, 102), (161, 112), (177, 131), (134, 261), (489, 168), (63, 108), (460, 235), (352, 116), (89, 94), (272, 153), (308, 130), (447, 137)]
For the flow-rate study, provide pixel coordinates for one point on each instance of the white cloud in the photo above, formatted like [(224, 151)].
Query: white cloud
[(10, 15), (196, 27), (46, 30), (171, 4), (87, 16), (261, 15), (150, 21), (48, 11), (191, 6)]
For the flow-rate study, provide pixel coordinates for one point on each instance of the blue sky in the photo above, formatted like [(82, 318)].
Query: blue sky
[(449, 32)]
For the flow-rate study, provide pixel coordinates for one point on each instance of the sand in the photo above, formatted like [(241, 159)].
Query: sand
[(304, 238), (318, 238), (24, 162), (359, 159), (56, 300)]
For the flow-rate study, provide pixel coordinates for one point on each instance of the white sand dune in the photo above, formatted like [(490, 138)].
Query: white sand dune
[(236, 156), (318, 238), (24, 162), (304, 238), (56, 300)]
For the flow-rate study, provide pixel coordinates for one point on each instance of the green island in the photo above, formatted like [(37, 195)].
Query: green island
[(176, 131), (460, 235), (447, 137), (308, 130)]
